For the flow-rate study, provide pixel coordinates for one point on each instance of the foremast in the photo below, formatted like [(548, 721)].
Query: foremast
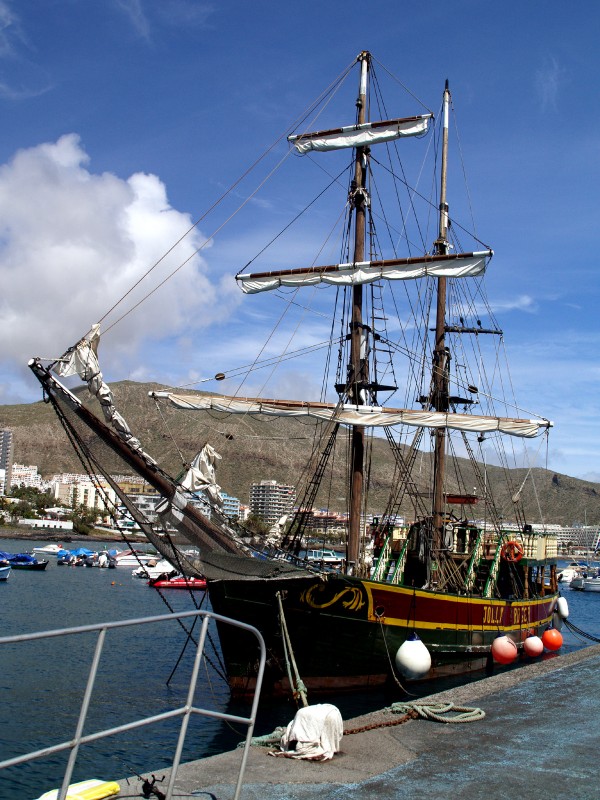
[(441, 354), (358, 367)]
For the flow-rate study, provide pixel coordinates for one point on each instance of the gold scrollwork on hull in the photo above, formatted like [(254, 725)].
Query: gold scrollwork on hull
[(354, 597)]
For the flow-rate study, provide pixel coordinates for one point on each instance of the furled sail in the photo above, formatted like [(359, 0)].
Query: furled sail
[(451, 265), (368, 416), (360, 135)]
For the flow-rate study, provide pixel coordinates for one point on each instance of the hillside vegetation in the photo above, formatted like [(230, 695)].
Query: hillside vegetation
[(275, 449)]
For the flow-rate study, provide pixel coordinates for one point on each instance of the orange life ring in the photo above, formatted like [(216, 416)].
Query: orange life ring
[(512, 551)]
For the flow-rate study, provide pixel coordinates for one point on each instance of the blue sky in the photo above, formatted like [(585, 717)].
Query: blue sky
[(123, 120)]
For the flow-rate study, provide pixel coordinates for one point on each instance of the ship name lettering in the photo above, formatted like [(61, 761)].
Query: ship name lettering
[(492, 615)]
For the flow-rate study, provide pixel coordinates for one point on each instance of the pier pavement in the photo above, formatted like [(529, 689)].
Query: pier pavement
[(540, 738)]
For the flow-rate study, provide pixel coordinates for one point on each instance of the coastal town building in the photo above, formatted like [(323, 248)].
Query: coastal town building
[(270, 500), (95, 495), (6, 458), (231, 506), (28, 476)]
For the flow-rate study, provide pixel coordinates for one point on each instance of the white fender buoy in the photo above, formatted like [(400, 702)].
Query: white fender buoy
[(533, 646), (413, 659), (562, 607), (504, 650)]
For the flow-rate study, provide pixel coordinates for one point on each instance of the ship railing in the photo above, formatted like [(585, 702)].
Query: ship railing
[(184, 711), (504, 537), (540, 546), (398, 573), (476, 556), (382, 565)]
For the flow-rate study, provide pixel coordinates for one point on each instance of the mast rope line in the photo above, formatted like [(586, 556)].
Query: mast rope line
[(422, 197)]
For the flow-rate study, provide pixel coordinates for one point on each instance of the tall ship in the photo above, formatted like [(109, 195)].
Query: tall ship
[(413, 365)]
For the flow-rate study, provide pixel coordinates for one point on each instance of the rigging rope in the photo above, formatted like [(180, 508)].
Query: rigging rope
[(300, 688)]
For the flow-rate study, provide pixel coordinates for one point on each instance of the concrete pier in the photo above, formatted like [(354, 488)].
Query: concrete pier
[(540, 738)]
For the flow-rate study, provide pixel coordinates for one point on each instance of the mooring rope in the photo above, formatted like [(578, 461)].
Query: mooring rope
[(437, 711), (579, 632), (300, 689)]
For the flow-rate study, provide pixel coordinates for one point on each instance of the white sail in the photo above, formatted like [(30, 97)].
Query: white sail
[(458, 265), (368, 416), (363, 135)]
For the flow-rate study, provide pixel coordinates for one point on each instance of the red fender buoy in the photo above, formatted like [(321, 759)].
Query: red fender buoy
[(552, 639)]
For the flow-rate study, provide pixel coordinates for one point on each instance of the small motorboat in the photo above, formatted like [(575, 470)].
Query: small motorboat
[(79, 557), (24, 561), (131, 558), (154, 569), (567, 574), (4, 570), (587, 580), (49, 549), (177, 582)]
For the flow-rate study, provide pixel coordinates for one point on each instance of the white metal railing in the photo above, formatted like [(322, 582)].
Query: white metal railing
[(184, 711)]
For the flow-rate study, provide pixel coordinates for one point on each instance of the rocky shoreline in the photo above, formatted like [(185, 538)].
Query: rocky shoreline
[(37, 535)]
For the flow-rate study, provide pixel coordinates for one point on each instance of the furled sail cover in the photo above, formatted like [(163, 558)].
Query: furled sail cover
[(82, 360), (360, 135), (201, 476), (368, 416), (452, 265)]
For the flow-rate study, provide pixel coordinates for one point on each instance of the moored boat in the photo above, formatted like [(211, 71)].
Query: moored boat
[(587, 579), (437, 561), (154, 569), (25, 561), (177, 582), (48, 549), (132, 558)]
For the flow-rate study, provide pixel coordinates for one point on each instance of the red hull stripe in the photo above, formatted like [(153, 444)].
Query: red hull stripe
[(404, 607)]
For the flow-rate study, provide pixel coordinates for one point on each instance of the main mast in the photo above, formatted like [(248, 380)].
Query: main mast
[(358, 376), (441, 354)]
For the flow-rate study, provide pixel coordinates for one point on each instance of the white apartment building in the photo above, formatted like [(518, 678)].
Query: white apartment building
[(26, 476), (270, 500), (231, 506), (98, 496), (6, 457)]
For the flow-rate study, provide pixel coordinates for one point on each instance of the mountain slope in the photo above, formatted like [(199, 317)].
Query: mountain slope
[(275, 449)]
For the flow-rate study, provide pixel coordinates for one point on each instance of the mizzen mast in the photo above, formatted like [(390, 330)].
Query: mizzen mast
[(358, 369), (441, 354)]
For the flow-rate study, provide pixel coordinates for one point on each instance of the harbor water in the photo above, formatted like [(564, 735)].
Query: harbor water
[(144, 671)]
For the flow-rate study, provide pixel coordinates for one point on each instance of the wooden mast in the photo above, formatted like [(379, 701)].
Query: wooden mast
[(358, 377), (441, 355)]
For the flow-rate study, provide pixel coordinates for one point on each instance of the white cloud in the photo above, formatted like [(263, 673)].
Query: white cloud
[(135, 11), (11, 33), (549, 78), (72, 243)]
